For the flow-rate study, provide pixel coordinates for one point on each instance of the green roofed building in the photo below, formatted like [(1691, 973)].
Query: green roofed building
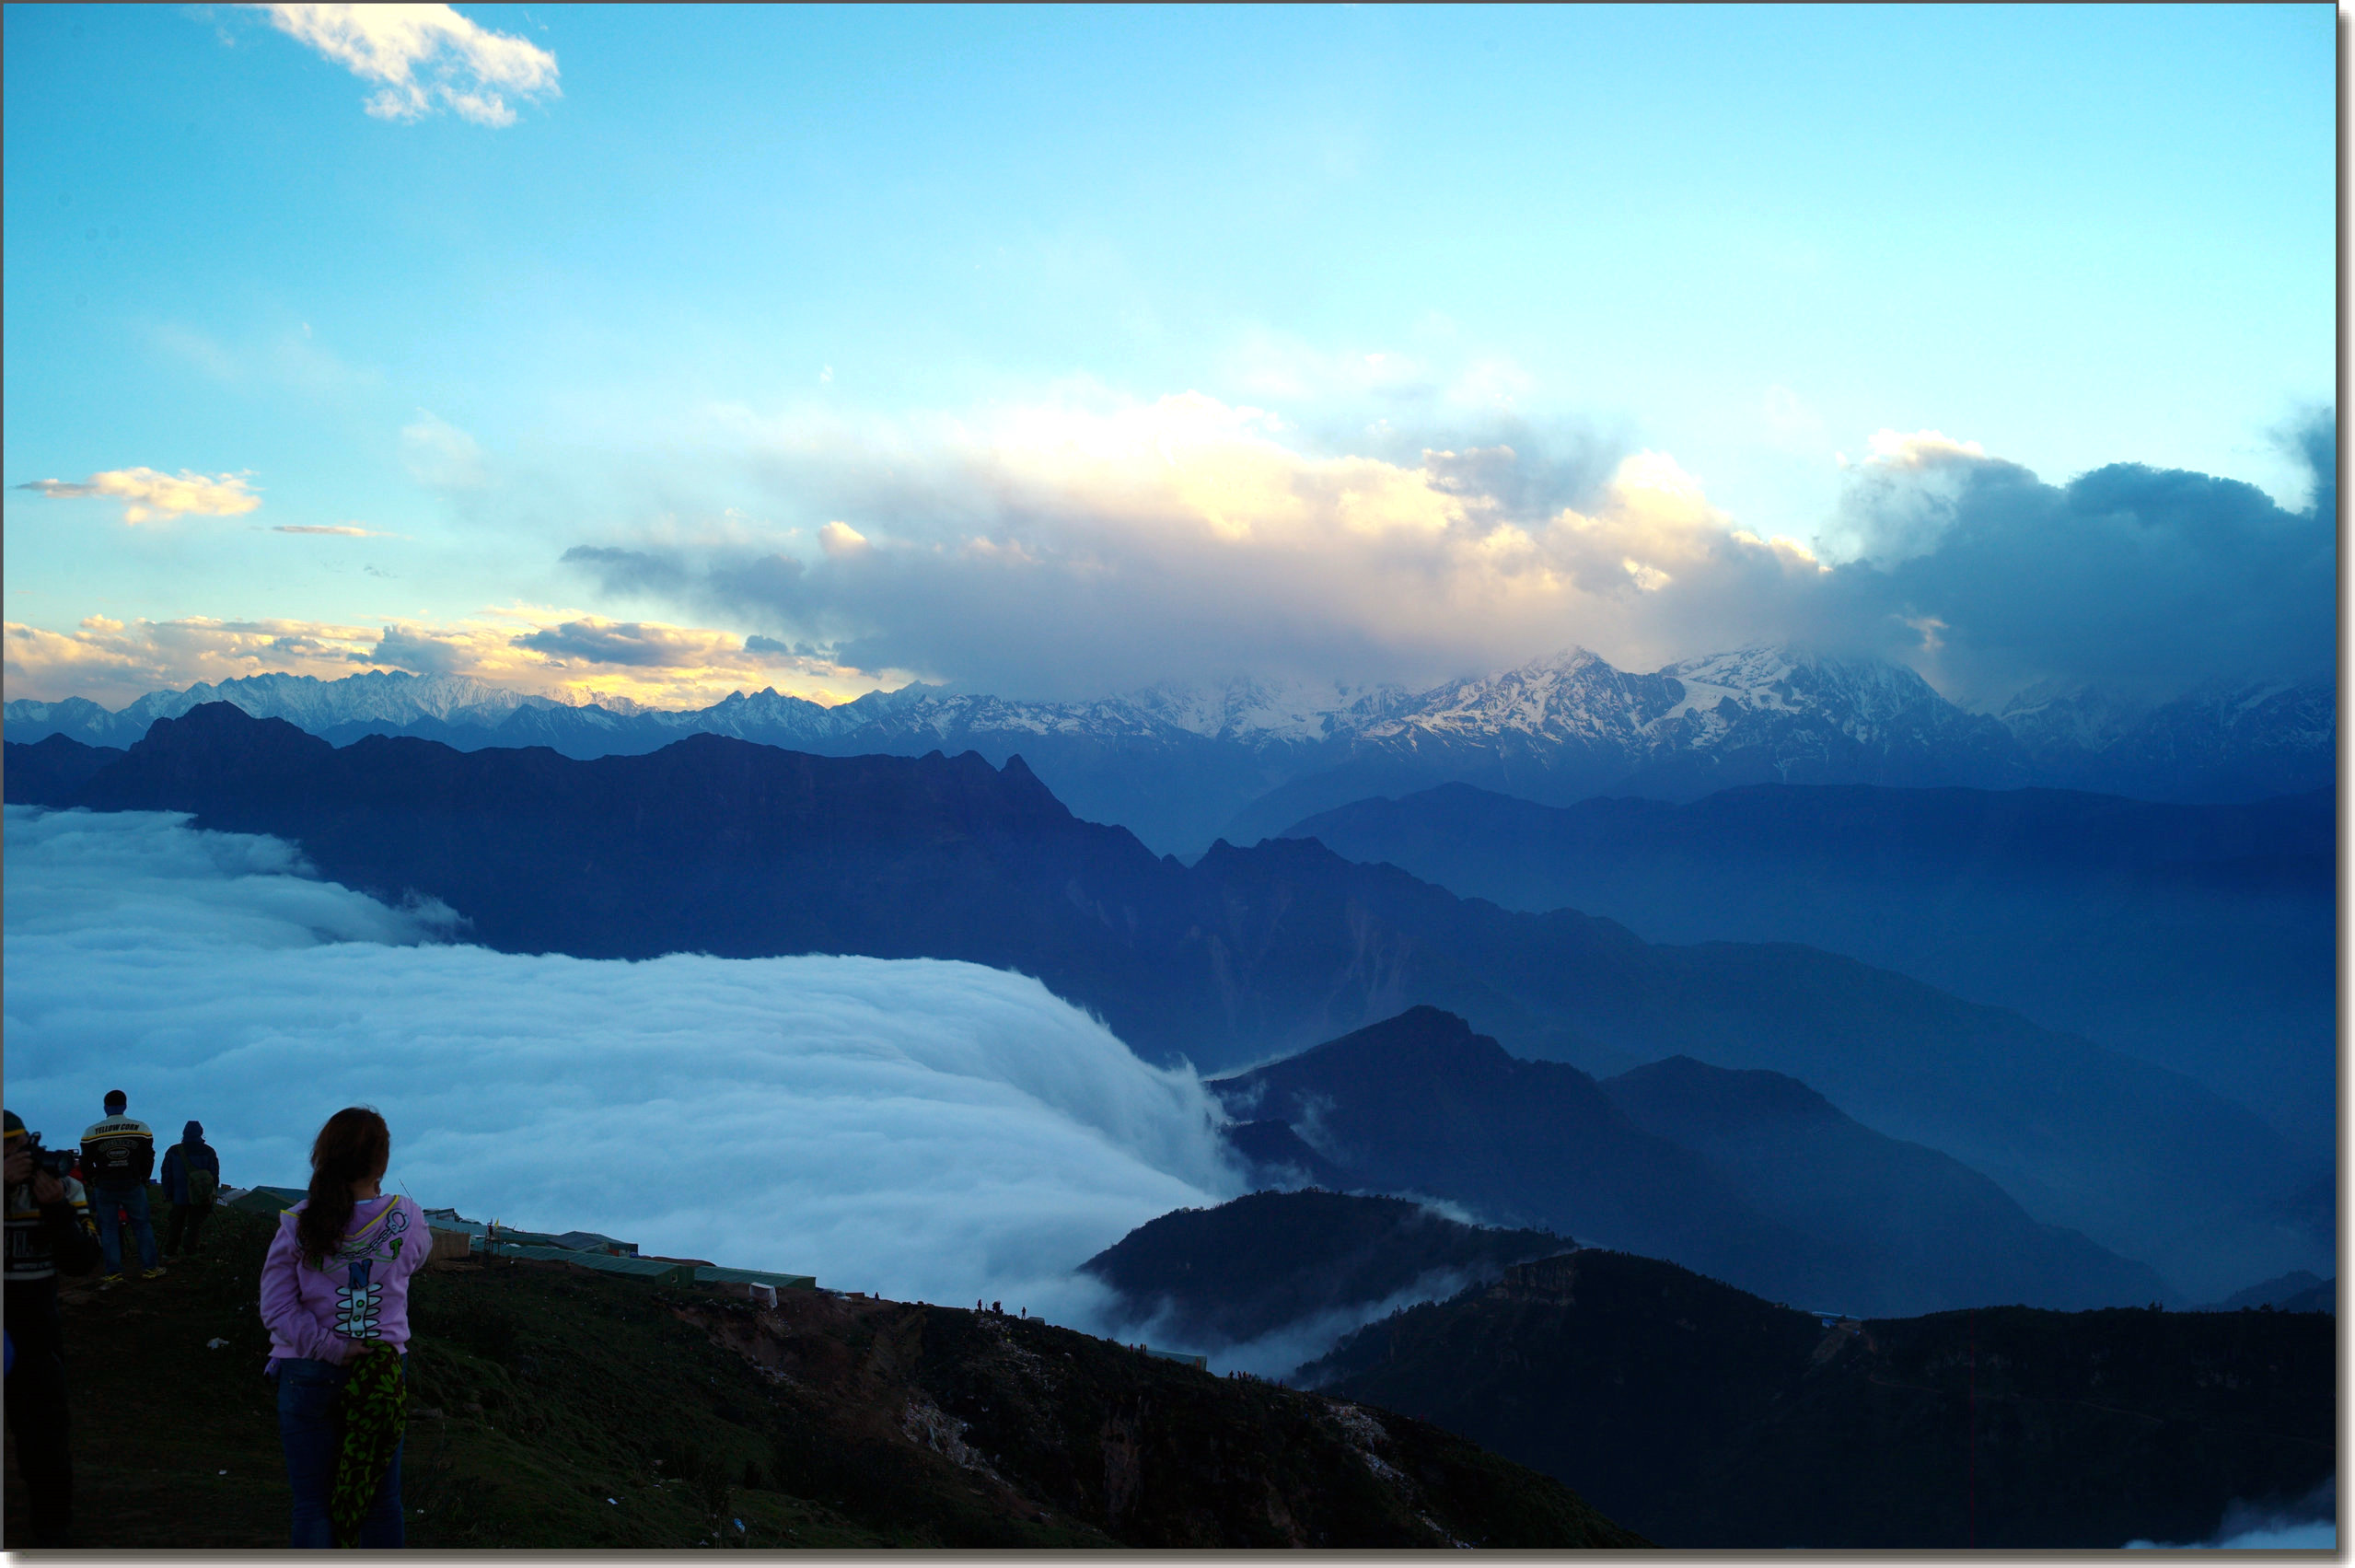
[(654, 1271), (711, 1274)]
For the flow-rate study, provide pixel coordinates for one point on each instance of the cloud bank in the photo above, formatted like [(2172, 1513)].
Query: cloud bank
[(1083, 547), (569, 655), (427, 58), (148, 494), (933, 1131), (2306, 1524)]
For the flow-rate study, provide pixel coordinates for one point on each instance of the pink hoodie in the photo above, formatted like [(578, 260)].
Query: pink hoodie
[(363, 1294)]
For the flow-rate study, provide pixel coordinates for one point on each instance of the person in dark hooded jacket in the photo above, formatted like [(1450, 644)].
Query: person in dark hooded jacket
[(191, 1176)]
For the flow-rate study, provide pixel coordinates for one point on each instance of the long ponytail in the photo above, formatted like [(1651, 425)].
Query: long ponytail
[(354, 1146)]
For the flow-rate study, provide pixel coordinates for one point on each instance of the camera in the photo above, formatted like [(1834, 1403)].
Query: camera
[(59, 1163)]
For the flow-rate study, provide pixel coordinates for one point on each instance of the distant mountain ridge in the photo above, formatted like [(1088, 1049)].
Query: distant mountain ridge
[(2200, 937), (717, 846), (1751, 1177), (1179, 765)]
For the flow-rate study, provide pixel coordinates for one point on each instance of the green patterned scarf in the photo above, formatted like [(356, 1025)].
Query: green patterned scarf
[(374, 1411)]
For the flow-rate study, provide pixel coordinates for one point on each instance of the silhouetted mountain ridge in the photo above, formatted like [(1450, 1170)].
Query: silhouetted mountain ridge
[(741, 850), (1181, 765), (1708, 1417)]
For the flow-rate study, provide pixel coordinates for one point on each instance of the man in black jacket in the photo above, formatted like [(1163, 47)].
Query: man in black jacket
[(49, 1231), (118, 1156)]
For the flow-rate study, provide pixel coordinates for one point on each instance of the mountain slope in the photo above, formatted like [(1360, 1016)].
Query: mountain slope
[(1749, 1176), (555, 1409), (1708, 1417), (1272, 1261), (2201, 937), (738, 849), (1926, 1232)]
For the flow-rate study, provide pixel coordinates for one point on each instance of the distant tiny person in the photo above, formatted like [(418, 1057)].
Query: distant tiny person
[(192, 1180), (118, 1156), (336, 1296)]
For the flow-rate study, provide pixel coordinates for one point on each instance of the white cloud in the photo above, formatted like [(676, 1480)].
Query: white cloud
[(1920, 450), (1091, 544), (425, 57), (931, 1130), (149, 494), (438, 453), (838, 540), (1281, 1351), (340, 531)]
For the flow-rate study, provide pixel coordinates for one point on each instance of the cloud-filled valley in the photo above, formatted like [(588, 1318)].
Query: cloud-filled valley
[(931, 1130)]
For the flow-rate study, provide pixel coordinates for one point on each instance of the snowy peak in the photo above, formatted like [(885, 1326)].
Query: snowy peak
[(1574, 695), (1857, 696), (1183, 762), (1257, 711), (2060, 715), (369, 697)]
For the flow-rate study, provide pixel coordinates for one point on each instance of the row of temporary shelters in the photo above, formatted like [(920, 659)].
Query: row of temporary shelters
[(455, 1236)]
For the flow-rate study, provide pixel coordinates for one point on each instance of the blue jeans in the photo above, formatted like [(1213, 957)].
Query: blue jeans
[(133, 1201), (310, 1433)]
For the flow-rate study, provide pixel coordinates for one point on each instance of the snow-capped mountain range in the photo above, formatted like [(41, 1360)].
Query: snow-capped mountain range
[(1179, 765)]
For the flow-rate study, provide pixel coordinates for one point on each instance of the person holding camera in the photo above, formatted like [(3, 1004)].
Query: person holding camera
[(118, 1156), (48, 1232)]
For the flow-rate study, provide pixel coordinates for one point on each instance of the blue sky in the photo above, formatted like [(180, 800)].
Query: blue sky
[(1048, 349)]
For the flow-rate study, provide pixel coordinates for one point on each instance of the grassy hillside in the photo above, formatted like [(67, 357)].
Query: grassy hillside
[(554, 1408)]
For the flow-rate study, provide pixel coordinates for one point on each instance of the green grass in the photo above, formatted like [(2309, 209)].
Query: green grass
[(554, 1407)]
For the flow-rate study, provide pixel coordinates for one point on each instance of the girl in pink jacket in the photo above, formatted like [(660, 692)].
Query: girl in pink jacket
[(335, 1287)]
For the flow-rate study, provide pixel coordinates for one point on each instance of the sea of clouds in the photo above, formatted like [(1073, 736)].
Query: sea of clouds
[(2305, 1524), (928, 1129)]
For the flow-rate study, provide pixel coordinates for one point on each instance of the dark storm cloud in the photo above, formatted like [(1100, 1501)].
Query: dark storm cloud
[(2147, 581), (603, 642)]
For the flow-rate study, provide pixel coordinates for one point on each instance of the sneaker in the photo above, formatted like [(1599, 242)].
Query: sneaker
[(110, 1282), (154, 1273)]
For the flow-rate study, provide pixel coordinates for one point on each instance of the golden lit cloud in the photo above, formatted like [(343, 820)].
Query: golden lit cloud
[(148, 493), (566, 655), (1091, 544)]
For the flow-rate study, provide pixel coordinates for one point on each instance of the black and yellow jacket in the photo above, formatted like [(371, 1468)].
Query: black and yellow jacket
[(117, 1152)]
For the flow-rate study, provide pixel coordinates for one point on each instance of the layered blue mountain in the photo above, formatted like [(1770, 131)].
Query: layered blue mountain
[(1180, 766), (1271, 1262), (1708, 1417), (740, 849), (2297, 1291), (1750, 1177), (2203, 938)]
